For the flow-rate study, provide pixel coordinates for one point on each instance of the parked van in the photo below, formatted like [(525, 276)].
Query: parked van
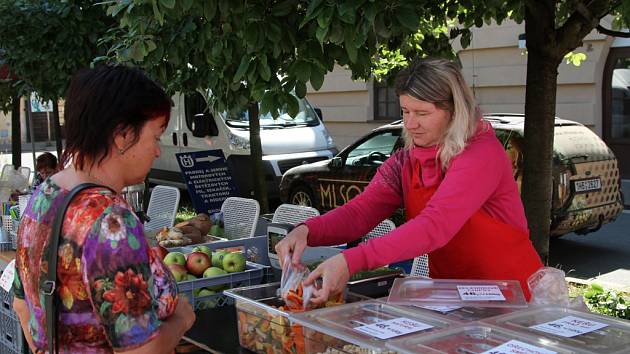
[(286, 142)]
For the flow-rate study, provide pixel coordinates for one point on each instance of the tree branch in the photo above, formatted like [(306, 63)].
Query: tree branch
[(610, 32), (586, 18)]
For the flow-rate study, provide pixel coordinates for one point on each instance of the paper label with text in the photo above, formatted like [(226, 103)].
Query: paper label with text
[(516, 347), (480, 293), (6, 280), (393, 328), (569, 326)]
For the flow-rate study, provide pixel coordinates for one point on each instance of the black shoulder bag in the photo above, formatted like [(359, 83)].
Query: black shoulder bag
[(48, 285)]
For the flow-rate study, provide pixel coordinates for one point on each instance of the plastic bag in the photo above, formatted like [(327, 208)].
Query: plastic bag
[(548, 287), (292, 290)]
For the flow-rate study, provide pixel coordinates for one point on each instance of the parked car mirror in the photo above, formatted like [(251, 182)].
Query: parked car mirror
[(336, 162), (203, 125), (319, 113)]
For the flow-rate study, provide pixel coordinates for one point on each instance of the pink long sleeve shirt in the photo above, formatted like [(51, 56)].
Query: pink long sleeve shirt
[(480, 177)]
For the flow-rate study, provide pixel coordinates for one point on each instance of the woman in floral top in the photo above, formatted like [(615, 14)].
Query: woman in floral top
[(114, 294)]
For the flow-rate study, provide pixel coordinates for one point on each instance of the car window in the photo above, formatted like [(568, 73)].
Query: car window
[(374, 150)]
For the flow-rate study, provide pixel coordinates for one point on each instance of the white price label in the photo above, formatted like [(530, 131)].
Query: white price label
[(438, 308), (480, 293), (569, 326), (393, 328), (516, 347), (6, 280)]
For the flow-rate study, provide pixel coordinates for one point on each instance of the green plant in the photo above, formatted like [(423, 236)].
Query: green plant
[(607, 302), (185, 213)]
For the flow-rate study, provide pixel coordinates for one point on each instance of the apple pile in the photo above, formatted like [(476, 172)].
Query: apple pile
[(203, 263)]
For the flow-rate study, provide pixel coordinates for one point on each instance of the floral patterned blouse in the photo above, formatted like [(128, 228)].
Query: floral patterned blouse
[(113, 291)]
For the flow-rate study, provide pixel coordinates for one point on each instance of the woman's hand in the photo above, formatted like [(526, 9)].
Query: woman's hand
[(293, 245), (335, 275), (184, 315)]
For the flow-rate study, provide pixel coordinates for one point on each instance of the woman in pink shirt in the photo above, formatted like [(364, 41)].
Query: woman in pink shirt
[(455, 180)]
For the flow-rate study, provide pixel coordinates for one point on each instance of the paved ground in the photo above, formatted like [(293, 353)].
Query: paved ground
[(602, 256)]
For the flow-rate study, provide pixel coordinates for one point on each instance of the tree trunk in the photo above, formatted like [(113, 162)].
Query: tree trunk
[(540, 108), (16, 133), (57, 127), (258, 175)]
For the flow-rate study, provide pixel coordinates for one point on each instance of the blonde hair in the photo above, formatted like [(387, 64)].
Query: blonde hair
[(440, 82)]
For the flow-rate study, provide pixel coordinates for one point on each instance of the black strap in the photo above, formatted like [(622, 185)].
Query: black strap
[(48, 285)]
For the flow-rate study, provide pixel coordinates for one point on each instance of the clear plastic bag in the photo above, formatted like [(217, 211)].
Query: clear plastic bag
[(548, 287), (292, 289)]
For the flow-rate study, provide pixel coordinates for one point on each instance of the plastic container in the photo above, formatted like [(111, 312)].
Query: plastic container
[(614, 337), (457, 313), (363, 327), (474, 338), (200, 297), (457, 292), (254, 248), (11, 337), (262, 326)]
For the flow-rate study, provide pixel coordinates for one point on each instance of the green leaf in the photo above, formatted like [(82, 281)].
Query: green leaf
[(169, 4), (310, 11), (263, 68), (151, 45), (251, 34), (323, 20), (242, 68), (187, 4), (409, 19), (266, 103), (300, 89), (351, 48), (321, 33), (302, 71), (293, 106), (283, 8), (274, 32), (209, 9), (317, 79)]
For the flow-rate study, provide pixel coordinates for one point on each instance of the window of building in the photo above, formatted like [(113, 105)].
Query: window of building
[(386, 105)]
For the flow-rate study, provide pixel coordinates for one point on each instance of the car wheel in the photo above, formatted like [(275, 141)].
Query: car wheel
[(301, 195)]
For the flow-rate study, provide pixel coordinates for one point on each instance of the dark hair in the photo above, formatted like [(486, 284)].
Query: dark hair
[(46, 160), (103, 101)]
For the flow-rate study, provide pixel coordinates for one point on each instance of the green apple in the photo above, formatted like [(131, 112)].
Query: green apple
[(175, 258), (190, 277), (215, 230), (234, 262), (213, 272), (203, 249), (206, 304), (179, 272), (217, 258)]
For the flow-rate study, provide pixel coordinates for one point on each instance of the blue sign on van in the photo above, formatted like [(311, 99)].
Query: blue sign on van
[(208, 179)]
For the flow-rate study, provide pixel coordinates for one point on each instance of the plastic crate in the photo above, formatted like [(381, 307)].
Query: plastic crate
[(11, 338), (254, 248), (13, 234), (254, 274)]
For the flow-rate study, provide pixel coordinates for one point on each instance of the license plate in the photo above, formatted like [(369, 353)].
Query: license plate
[(587, 185)]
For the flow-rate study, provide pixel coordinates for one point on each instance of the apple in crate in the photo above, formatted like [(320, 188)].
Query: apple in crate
[(213, 272), (175, 258), (197, 263), (234, 262), (179, 272), (203, 249), (217, 258)]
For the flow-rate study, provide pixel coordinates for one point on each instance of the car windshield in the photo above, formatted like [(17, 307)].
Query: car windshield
[(306, 117), (375, 149)]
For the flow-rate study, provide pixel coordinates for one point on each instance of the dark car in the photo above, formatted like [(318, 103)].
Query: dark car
[(586, 179)]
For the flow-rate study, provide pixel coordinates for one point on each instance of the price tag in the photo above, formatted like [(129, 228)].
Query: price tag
[(393, 328), (443, 309), (6, 280), (480, 293), (569, 326), (516, 347)]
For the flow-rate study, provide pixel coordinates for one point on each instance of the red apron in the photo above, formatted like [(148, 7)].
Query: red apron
[(484, 248)]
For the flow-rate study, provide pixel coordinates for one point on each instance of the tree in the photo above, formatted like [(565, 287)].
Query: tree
[(46, 42), (249, 52), (10, 102)]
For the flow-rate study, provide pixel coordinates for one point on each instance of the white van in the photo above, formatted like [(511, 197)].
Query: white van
[(286, 142)]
